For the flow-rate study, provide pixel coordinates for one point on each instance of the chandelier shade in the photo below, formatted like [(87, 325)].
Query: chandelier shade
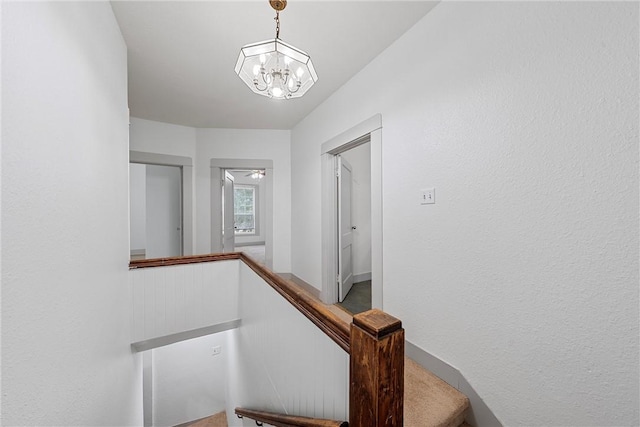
[(274, 68)]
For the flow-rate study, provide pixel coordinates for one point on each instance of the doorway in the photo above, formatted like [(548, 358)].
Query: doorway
[(366, 133), (255, 238), (160, 193), (354, 223), (243, 212)]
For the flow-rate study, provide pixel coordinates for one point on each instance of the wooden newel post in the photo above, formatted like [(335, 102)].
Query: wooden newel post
[(376, 390)]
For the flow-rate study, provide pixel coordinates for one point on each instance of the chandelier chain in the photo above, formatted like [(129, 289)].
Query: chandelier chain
[(277, 18)]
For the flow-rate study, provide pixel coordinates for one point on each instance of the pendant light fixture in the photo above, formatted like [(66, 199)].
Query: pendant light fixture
[(274, 68)]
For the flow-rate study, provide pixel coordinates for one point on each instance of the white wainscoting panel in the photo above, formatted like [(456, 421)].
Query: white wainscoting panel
[(173, 299), (284, 363)]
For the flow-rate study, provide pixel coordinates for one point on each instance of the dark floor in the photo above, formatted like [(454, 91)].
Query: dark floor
[(359, 298)]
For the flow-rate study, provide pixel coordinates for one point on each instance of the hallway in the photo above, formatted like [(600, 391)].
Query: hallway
[(358, 299)]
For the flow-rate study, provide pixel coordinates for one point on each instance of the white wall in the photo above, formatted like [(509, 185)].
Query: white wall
[(66, 356), (189, 382), (360, 160), (524, 274), (247, 144), (162, 138)]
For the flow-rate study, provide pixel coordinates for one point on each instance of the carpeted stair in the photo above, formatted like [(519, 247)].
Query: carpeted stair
[(216, 420), (429, 401)]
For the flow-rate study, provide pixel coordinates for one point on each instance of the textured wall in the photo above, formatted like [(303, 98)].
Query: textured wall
[(524, 274), (66, 358)]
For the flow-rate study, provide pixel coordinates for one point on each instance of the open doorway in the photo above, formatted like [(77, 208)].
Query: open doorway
[(250, 231), (354, 225), (243, 212), (368, 132), (160, 191)]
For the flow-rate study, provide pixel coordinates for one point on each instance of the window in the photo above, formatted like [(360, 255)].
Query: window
[(244, 209)]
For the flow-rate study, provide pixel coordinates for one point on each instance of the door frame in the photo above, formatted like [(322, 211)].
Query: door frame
[(218, 166), (370, 131), (186, 168)]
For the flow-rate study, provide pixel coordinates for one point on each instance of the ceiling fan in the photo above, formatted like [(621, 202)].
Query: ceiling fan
[(256, 174)]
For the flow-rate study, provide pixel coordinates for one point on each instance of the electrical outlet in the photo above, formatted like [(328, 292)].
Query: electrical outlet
[(216, 350)]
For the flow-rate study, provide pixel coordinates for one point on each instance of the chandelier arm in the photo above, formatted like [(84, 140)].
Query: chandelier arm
[(264, 79), (255, 83), (297, 88)]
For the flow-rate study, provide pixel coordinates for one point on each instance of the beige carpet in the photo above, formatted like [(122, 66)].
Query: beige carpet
[(216, 420), (429, 401)]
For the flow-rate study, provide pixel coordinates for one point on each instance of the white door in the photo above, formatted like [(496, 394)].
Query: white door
[(228, 220), (163, 211), (345, 231)]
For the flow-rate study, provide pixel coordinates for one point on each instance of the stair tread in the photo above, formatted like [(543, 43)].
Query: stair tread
[(429, 401), (215, 420)]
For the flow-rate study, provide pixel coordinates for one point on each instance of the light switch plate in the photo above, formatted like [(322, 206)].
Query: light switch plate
[(427, 196)]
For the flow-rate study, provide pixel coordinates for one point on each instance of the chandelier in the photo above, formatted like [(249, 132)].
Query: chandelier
[(274, 68)]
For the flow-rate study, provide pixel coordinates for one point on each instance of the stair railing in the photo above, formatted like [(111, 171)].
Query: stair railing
[(374, 341), (282, 420)]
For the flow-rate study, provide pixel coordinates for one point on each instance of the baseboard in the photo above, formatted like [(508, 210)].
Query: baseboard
[(480, 415), (239, 245), (185, 335), (363, 277)]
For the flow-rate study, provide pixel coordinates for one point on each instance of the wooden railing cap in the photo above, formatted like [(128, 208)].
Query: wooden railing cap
[(278, 420), (377, 322)]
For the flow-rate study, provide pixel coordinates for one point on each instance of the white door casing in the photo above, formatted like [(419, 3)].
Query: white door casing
[(345, 233), (228, 232)]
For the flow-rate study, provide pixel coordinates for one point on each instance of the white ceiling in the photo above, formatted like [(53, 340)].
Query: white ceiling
[(182, 54)]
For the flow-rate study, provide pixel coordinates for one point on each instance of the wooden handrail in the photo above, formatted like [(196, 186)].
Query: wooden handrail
[(181, 260), (330, 323), (283, 420)]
